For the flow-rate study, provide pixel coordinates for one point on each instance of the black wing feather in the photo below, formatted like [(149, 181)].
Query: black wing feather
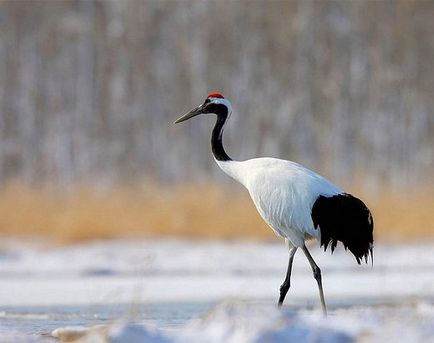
[(344, 218)]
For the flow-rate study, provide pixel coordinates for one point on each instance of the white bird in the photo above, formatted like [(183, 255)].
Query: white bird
[(297, 203)]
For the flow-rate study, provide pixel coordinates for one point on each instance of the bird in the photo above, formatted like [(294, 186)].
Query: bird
[(297, 203)]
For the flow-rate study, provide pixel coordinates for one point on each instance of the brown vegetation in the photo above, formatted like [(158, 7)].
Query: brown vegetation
[(181, 211)]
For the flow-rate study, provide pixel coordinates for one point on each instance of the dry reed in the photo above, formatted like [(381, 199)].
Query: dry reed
[(181, 211)]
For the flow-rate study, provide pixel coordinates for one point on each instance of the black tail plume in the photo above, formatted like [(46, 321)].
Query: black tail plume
[(345, 218)]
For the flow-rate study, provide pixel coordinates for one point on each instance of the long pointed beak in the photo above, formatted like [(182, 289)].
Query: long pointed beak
[(191, 114)]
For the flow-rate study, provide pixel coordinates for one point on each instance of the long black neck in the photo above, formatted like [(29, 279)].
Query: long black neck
[(216, 138)]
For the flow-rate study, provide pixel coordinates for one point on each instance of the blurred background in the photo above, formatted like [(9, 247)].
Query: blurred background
[(89, 91)]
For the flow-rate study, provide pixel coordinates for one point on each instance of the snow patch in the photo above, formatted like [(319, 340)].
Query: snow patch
[(238, 322)]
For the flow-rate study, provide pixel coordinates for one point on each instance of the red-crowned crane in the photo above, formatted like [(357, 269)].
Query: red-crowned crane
[(297, 203)]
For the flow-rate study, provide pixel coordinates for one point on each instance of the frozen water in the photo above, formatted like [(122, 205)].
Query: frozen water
[(162, 288), (243, 322)]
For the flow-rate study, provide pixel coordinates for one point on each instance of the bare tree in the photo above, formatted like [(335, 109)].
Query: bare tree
[(88, 89)]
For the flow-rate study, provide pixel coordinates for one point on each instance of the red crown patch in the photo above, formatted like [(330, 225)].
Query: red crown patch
[(216, 95)]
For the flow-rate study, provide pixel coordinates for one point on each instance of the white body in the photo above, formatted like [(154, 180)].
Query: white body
[(284, 193)]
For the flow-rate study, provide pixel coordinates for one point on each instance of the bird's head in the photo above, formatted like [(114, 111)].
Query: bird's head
[(214, 103)]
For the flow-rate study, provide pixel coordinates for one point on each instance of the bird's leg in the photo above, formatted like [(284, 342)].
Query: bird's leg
[(317, 276), (286, 284)]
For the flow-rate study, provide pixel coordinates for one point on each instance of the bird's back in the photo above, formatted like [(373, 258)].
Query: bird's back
[(284, 193)]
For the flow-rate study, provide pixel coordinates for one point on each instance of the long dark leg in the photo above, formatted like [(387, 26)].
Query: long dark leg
[(317, 276), (286, 284)]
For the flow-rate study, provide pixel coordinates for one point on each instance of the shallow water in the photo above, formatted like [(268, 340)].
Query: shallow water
[(39, 321)]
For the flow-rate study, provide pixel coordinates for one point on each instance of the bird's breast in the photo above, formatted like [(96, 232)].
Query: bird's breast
[(284, 206)]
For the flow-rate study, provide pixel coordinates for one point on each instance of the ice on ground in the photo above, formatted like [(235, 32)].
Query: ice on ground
[(115, 333), (235, 322), (241, 322), (174, 270), (391, 302), (80, 333)]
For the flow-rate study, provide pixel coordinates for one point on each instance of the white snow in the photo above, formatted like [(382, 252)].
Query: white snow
[(154, 271), (390, 302), (238, 322)]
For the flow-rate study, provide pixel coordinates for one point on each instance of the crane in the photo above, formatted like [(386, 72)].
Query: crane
[(297, 203)]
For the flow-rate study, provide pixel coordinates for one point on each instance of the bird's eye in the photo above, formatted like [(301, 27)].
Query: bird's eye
[(207, 101)]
